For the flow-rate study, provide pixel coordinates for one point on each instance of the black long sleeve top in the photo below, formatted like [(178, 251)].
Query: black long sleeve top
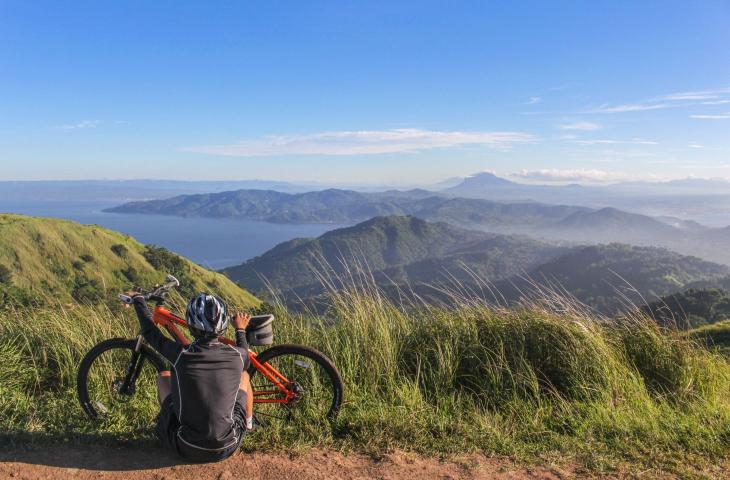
[(205, 383)]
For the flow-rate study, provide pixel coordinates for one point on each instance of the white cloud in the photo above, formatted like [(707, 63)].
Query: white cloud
[(715, 96), (711, 117), (697, 95), (582, 175), (364, 142), (79, 125), (629, 107), (635, 141), (534, 100), (580, 126), (694, 145)]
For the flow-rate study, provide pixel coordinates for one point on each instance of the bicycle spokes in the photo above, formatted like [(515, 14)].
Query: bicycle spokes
[(307, 389), (120, 382)]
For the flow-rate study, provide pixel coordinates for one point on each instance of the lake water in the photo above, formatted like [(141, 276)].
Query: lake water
[(213, 243)]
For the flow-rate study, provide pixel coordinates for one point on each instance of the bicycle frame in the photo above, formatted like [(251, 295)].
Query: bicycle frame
[(282, 394)]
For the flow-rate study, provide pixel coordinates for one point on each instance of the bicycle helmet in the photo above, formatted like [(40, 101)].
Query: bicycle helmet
[(207, 315)]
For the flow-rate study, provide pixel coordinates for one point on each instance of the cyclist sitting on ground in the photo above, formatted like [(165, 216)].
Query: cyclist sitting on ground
[(206, 401)]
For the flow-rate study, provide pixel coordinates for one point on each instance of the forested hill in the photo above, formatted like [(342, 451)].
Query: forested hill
[(418, 255), (347, 206), (51, 260), (692, 308), (566, 223), (396, 249), (612, 277)]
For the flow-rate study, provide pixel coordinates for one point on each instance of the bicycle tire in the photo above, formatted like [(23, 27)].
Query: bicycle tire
[(114, 343), (321, 359)]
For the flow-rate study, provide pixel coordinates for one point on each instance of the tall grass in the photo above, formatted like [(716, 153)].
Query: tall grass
[(539, 379)]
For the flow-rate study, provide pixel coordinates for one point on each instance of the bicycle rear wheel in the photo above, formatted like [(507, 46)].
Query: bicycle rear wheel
[(116, 383), (312, 376)]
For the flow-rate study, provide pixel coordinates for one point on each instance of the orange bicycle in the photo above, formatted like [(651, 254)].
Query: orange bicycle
[(118, 375)]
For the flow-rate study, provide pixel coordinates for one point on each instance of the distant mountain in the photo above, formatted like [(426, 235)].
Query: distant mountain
[(565, 223), (444, 184), (687, 225), (490, 186), (347, 206), (326, 206), (396, 249), (486, 180), (588, 226), (481, 185), (49, 260), (705, 200)]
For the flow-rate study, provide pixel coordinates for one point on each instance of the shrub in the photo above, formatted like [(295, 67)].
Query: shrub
[(167, 262), (87, 291), (6, 275), (671, 365), (131, 274), (120, 250)]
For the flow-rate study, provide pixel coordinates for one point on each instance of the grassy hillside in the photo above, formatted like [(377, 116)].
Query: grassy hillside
[(394, 249), (715, 336), (529, 383), (43, 259)]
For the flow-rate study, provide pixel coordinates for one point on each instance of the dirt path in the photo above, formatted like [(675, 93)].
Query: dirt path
[(68, 462), (71, 463)]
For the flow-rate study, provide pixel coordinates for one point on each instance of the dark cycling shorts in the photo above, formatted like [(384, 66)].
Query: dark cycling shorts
[(168, 426)]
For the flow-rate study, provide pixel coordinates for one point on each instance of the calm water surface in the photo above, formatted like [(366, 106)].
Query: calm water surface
[(214, 243)]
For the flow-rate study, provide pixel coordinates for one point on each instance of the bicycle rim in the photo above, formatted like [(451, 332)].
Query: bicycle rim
[(311, 376), (109, 397)]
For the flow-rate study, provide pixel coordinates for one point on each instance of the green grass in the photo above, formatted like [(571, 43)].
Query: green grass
[(529, 383), (715, 336), (45, 259)]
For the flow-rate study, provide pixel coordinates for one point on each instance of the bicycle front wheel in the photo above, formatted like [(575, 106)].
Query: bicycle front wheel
[(314, 383), (117, 383)]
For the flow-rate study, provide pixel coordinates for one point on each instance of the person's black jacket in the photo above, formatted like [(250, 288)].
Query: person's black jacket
[(205, 384)]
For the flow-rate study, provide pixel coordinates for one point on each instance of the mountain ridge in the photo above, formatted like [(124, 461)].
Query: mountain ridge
[(394, 248), (412, 254), (565, 223)]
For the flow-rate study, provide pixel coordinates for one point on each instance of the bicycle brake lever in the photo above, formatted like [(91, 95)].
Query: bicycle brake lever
[(125, 298)]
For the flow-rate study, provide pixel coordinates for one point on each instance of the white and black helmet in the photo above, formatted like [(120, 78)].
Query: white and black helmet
[(207, 315)]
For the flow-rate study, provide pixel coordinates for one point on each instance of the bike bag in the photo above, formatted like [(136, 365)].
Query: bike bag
[(260, 330)]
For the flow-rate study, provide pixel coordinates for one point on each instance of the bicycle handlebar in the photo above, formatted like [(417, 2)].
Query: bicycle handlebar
[(159, 292)]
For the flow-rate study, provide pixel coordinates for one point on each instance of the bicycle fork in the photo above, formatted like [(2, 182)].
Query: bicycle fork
[(127, 386)]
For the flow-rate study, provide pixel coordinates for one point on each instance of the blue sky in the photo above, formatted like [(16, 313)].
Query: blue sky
[(392, 92)]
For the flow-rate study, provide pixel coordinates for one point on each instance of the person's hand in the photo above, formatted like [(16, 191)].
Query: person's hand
[(131, 294), (240, 320)]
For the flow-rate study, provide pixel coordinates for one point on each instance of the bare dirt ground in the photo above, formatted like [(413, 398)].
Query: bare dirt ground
[(89, 462)]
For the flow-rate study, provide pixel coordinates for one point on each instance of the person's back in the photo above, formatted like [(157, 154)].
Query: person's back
[(205, 403), (205, 390)]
